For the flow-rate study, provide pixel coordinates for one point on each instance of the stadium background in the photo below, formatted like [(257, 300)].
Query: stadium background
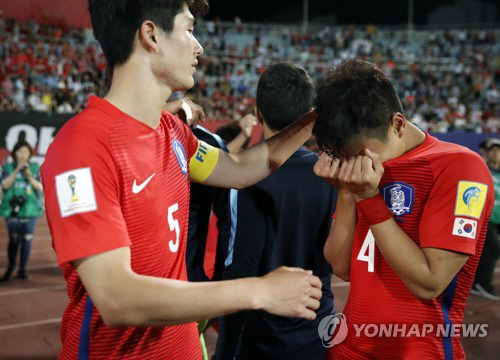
[(443, 56)]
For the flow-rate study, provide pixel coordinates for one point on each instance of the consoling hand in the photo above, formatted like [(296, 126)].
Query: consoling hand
[(191, 113), (186, 110)]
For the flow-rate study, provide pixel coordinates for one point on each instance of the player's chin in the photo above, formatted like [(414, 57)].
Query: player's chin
[(184, 85)]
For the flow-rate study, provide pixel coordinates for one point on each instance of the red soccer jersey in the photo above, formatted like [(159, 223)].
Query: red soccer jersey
[(441, 195), (111, 181)]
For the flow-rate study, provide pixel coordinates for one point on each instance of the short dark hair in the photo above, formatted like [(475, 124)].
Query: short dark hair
[(115, 22), (356, 98), (284, 93), (20, 144)]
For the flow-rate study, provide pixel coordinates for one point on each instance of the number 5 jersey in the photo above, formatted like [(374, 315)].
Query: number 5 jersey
[(111, 181)]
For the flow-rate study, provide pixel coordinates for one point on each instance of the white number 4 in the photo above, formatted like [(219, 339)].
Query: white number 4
[(367, 252), (174, 225)]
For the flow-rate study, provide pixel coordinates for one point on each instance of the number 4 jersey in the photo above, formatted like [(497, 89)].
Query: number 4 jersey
[(441, 195), (111, 181)]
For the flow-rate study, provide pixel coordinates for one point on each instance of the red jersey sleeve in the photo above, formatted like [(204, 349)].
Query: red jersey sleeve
[(81, 196), (459, 203)]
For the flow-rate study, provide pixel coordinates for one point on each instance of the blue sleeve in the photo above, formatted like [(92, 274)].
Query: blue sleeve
[(246, 246)]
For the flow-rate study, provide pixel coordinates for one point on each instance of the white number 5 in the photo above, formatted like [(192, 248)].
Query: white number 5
[(368, 247), (174, 225)]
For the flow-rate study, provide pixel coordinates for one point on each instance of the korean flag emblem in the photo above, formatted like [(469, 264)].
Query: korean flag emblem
[(465, 227)]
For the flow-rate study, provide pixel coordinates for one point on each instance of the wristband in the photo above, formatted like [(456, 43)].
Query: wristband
[(374, 210)]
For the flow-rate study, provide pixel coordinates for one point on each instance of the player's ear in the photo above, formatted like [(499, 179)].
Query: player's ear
[(398, 124), (148, 36)]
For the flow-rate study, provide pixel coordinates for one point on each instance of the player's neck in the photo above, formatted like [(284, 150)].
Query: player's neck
[(135, 91), (266, 131), (413, 137)]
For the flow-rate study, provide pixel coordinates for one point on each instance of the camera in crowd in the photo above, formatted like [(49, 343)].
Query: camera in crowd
[(16, 203), (24, 168)]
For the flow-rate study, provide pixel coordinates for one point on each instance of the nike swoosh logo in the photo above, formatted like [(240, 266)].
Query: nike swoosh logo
[(136, 189)]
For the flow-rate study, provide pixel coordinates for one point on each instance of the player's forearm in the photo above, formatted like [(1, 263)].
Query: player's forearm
[(168, 302), (338, 247), (236, 144), (256, 163), (406, 259)]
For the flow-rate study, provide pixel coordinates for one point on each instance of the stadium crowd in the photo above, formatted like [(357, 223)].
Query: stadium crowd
[(446, 79)]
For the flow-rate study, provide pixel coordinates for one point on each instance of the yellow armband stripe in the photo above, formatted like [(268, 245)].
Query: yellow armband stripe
[(203, 162)]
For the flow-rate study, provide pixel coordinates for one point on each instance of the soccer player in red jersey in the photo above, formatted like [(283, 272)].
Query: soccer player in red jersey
[(410, 223), (117, 197)]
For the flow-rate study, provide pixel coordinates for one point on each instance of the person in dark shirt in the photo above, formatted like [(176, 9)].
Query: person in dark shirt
[(283, 220), (204, 199)]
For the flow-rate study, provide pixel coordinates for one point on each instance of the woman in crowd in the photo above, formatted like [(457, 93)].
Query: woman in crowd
[(20, 205)]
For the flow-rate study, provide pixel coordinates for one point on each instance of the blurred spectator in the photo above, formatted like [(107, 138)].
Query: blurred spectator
[(47, 68), (483, 281), (229, 132), (447, 80), (20, 205), (237, 135)]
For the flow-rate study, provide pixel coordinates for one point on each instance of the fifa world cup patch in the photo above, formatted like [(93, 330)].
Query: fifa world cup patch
[(471, 197), (75, 192), (465, 227)]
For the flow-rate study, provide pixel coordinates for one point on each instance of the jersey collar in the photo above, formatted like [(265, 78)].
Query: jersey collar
[(428, 142), (110, 109)]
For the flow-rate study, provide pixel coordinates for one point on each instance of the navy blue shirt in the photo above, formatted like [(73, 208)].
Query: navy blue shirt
[(283, 220), (204, 199)]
